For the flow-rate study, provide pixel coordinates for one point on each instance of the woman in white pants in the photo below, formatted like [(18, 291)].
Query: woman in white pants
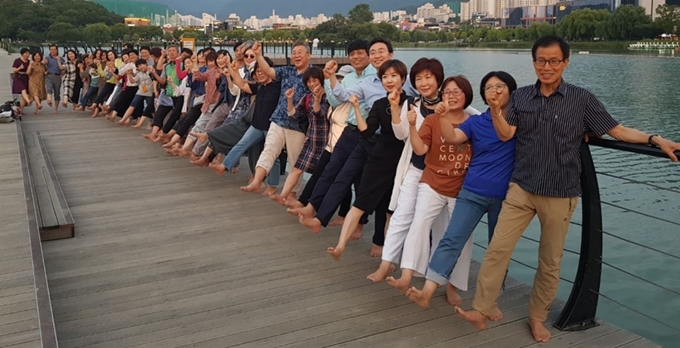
[(445, 168)]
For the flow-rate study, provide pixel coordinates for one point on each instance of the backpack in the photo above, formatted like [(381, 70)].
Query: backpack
[(8, 112)]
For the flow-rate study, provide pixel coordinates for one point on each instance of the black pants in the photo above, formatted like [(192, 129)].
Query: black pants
[(349, 175), (183, 126), (159, 116), (309, 188), (125, 99)]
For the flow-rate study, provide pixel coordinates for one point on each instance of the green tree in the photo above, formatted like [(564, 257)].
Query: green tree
[(334, 29), (668, 18), (584, 24), (119, 31), (97, 33), (302, 37), (388, 31), (268, 36), (538, 30), (628, 23), (167, 36), (361, 14), (61, 31), (258, 36), (405, 36)]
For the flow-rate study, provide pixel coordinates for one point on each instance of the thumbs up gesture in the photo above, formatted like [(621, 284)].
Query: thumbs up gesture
[(411, 115)]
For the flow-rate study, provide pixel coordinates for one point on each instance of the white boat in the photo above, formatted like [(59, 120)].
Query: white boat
[(583, 52)]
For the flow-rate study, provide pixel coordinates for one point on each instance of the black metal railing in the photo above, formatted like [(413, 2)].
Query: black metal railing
[(580, 309)]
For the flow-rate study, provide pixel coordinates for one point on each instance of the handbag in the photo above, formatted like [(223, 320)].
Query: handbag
[(248, 116)]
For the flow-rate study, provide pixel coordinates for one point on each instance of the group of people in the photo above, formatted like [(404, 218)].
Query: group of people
[(378, 139)]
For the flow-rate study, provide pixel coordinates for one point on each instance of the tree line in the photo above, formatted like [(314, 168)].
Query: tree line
[(64, 21)]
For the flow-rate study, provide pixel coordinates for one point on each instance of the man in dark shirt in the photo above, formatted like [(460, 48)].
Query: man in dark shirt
[(549, 119)]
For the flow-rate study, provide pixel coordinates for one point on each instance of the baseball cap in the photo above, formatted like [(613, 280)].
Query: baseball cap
[(344, 70)]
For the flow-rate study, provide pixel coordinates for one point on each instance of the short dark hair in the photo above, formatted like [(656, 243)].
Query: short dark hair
[(115, 55), (129, 46), (133, 51), (395, 64), (208, 49), (550, 40), (313, 72), (224, 53), (501, 75), (24, 50), (237, 45), (187, 51), (462, 83), (156, 52), (145, 48), (266, 59), (427, 64), (357, 45), (125, 51), (139, 62), (384, 41), (38, 53), (211, 57), (55, 46)]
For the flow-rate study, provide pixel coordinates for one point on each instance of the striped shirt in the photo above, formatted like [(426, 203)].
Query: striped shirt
[(549, 134)]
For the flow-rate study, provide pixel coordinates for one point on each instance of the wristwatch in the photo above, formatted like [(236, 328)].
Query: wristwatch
[(649, 140)]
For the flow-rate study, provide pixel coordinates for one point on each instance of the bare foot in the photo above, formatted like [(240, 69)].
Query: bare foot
[(172, 151), (538, 330), (138, 125), (381, 273), (473, 317), (270, 190), (337, 221), (200, 162), (400, 284), (336, 252), (376, 251), (452, 296), (148, 136), (294, 204), (307, 211), (278, 199), (419, 297), (313, 224), (235, 170), (358, 232), (252, 187), (49, 103), (200, 137), (219, 169)]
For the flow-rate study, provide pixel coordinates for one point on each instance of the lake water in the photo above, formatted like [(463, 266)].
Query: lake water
[(641, 91)]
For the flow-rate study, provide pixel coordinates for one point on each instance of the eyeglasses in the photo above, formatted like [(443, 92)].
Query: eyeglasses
[(452, 92), (540, 62), (251, 56), (498, 88)]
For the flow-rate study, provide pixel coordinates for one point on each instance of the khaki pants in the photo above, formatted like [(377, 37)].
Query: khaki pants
[(277, 138), (518, 210)]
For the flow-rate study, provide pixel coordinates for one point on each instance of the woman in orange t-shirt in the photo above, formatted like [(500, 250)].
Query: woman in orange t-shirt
[(445, 168)]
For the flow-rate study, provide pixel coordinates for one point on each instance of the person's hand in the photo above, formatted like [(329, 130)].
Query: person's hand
[(234, 66), (257, 48), (290, 93), (354, 100), (667, 146), (441, 108), (330, 69), (394, 98), (318, 92), (411, 115)]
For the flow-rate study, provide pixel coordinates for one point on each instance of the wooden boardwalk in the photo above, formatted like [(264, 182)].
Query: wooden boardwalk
[(170, 255)]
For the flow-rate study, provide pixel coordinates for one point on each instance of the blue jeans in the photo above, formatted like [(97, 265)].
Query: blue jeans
[(469, 209), (91, 92), (251, 137)]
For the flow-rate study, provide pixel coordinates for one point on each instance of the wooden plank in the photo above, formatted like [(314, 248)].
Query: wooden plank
[(20, 326), (613, 339), (639, 343), (19, 338), (64, 215), (48, 333)]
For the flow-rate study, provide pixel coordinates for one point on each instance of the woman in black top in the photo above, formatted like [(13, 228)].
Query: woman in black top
[(378, 175)]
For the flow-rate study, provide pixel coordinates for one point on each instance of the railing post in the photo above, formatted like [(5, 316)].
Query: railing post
[(579, 311)]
